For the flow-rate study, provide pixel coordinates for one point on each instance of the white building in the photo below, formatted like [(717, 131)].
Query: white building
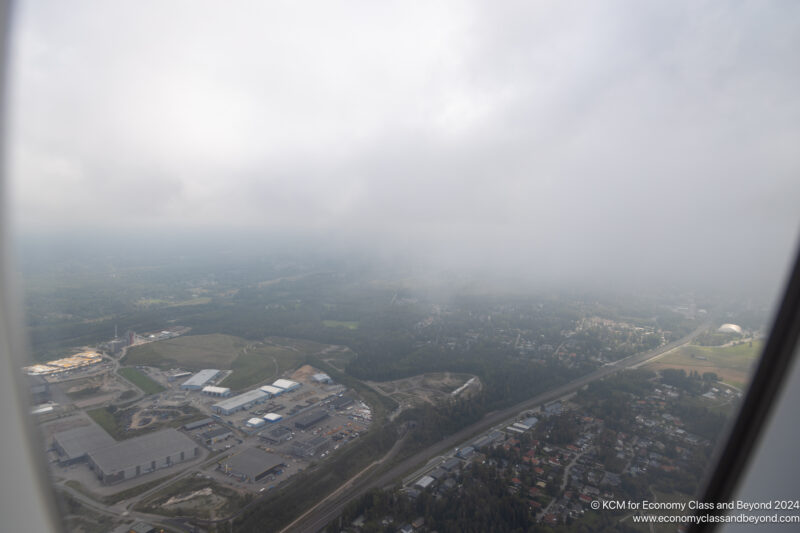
[(221, 392), (286, 384), (424, 482), (200, 380), (255, 422), (242, 401), (272, 391)]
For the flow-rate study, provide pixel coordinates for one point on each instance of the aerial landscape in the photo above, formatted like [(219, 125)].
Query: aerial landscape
[(330, 399), (395, 267)]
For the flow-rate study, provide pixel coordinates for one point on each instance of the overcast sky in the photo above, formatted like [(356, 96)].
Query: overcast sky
[(572, 137)]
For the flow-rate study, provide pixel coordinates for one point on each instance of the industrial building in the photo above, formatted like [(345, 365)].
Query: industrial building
[(272, 391), (255, 422), (178, 374), (322, 378), (253, 464), (200, 380), (198, 424), (213, 436), (272, 417), (286, 384), (466, 452), (310, 419), (487, 440), (424, 482), (72, 445), (451, 464), (220, 392), (39, 389), (276, 436), (242, 401), (133, 457), (553, 409), (526, 424), (310, 447), (341, 402)]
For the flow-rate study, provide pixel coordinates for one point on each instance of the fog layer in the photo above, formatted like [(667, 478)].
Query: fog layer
[(613, 140)]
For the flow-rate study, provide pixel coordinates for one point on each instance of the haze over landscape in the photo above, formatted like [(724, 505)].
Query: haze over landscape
[(377, 267), (564, 141)]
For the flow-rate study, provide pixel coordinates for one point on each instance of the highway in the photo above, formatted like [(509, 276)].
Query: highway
[(332, 506)]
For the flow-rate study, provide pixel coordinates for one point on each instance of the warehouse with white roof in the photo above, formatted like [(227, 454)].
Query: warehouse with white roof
[(221, 392), (255, 422), (242, 401), (272, 391), (200, 380), (286, 384)]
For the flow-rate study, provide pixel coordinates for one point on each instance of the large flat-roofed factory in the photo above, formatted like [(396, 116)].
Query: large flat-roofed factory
[(140, 455), (309, 420), (252, 465), (72, 445), (114, 461), (242, 401)]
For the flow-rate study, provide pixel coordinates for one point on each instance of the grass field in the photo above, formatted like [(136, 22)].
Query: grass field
[(141, 380), (340, 324), (193, 352), (733, 364), (260, 363), (251, 362), (105, 420)]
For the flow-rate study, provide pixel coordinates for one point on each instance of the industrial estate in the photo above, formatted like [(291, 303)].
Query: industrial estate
[(113, 429)]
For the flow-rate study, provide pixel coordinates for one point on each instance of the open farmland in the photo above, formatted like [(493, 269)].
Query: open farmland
[(192, 352), (733, 364)]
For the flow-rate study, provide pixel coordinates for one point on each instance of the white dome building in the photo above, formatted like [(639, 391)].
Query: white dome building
[(730, 328)]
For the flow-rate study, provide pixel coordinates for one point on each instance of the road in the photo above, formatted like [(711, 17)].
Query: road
[(329, 509)]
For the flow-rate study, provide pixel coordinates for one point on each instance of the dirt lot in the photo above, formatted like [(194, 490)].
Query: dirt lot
[(430, 388)]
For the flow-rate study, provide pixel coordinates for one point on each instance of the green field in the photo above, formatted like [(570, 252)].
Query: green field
[(193, 352), (141, 380), (105, 420), (259, 363), (733, 364), (340, 324), (251, 362)]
